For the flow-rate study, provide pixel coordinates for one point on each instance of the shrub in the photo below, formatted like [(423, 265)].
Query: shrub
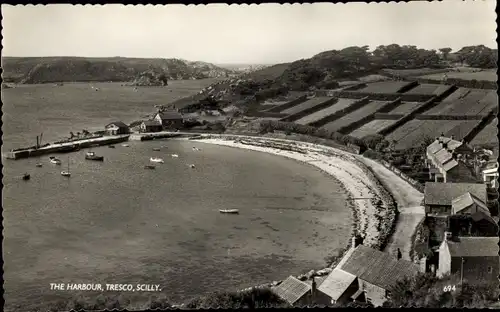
[(254, 298)]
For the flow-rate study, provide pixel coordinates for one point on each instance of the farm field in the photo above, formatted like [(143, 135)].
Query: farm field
[(372, 127), (414, 131), (384, 87), (405, 107), (305, 105), (488, 75), (488, 135), (475, 102), (428, 88), (414, 72), (368, 109), (339, 105)]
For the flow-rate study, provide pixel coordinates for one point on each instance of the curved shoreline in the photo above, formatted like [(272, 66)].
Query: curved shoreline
[(373, 210)]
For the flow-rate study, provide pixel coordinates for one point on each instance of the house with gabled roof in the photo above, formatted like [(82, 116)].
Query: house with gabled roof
[(474, 259), (170, 119), (446, 159), (470, 216), (366, 274), (116, 128), (438, 197), (298, 293)]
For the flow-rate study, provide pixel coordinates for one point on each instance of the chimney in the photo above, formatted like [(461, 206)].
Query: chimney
[(447, 236), (353, 242), (313, 288)]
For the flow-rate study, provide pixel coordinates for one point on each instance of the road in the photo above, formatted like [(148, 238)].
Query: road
[(408, 200)]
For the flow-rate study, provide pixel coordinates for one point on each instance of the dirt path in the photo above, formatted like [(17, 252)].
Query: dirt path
[(410, 211)]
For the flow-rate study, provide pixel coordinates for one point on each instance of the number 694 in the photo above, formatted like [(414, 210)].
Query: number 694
[(449, 288)]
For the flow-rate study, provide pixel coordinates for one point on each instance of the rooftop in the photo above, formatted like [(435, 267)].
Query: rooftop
[(436, 193), (291, 289), (151, 123), (119, 124), (474, 247), (378, 268), (466, 200), (336, 283), (168, 115)]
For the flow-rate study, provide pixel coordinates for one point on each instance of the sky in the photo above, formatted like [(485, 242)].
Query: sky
[(241, 34)]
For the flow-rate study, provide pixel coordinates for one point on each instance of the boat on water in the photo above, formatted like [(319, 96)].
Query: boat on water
[(38, 165), (156, 149), (111, 146), (93, 156), (149, 167), (125, 145), (156, 160), (231, 211), (54, 160), (191, 166), (175, 155), (26, 176), (66, 173)]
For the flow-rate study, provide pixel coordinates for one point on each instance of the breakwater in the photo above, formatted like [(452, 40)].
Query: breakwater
[(154, 135), (65, 147)]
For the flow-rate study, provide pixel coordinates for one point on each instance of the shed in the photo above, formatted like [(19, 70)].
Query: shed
[(151, 126), (438, 197), (116, 128)]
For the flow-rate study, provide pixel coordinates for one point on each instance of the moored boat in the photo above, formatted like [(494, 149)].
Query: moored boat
[(93, 156), (175, 155), (26, 176), (111, 146), (232, 211), (66, 173), (55, 160), (149, 167), (156, 160), (38, 165), (156, 149), (125, 145)]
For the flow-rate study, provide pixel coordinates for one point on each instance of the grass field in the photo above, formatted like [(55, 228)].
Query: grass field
[(414, 72), (427, 88), (372, 127), (384, 87), (413, 132), (306, 105), (405, 107), (488, 75), (475, 102), (339, 105), (368, 109), (488, 135)]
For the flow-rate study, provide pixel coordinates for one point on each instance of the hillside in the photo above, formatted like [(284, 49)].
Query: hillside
[(30, 70)]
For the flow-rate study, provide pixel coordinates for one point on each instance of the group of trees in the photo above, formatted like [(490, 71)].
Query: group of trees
[(478, 56)]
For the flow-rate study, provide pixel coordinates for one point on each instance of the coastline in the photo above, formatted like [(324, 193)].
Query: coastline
[(372, 206)]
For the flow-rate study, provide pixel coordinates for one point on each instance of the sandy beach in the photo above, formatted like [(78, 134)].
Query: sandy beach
[(374, 211)]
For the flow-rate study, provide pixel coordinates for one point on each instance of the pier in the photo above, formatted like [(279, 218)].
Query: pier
[(154, 135), (66, 147)]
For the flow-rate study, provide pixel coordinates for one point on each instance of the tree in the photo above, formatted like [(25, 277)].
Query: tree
[(445, 52)]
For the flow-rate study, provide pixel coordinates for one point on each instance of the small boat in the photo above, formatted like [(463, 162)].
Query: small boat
[(93, 156), (26, 176), (125, 145), (156, 149), (191, 166), (38, 165), (66, 173), (175, 155), (54, 160), (156, 160), (149, 167), (232, 211), (111, 146)]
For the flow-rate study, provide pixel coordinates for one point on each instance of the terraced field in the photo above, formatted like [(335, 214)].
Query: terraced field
[(358, 114), (489, 75), (384, 87), (488, 135), (428, 88), (341, 104), (305, 105), (474, 102), (372, 127), (405, 107), (414, 131)]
